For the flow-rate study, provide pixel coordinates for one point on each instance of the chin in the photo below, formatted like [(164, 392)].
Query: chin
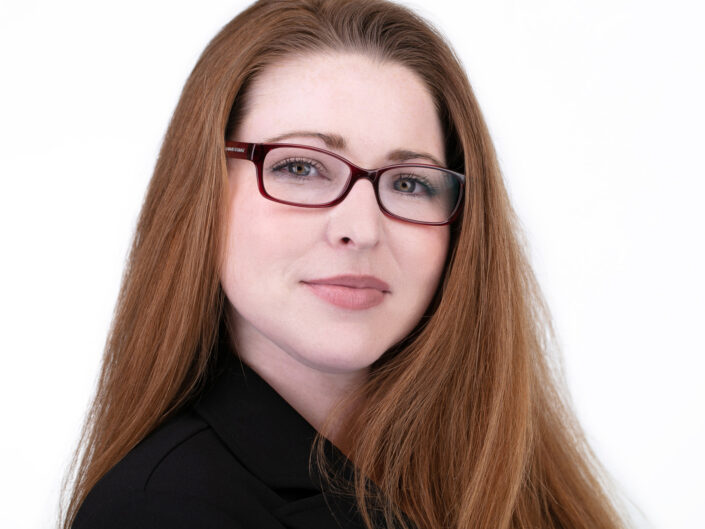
[(342, 362)]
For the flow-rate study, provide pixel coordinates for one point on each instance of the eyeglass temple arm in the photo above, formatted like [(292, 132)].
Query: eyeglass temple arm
[(238, 149)]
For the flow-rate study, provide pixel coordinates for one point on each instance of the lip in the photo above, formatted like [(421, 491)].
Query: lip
[(352, 281), (349, 291)]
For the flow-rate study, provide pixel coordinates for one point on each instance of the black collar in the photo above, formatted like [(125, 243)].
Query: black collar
[(273, 442), (262, 430), (266, 434)]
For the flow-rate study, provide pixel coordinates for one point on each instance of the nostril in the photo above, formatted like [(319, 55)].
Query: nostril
[(346, 240)]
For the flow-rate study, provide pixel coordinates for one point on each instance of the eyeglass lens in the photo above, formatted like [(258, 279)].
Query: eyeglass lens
[(309, 177)]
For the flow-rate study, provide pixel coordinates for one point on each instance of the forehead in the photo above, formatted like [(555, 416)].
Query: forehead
[(368, 102)]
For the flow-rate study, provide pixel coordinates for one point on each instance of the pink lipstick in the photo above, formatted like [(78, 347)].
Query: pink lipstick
[(350, 291)]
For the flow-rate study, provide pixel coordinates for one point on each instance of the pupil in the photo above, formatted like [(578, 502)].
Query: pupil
[(405, 185), (298, 169)]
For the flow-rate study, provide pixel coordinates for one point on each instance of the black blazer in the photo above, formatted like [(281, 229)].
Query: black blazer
[(238, 458)]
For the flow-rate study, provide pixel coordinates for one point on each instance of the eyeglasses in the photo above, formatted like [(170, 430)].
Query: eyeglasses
[(310, 177)]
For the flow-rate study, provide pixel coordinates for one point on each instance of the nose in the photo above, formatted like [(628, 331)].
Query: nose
[(356, 221)]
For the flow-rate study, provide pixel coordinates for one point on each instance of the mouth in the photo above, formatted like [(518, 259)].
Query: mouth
[(352, 281), (350, 291)]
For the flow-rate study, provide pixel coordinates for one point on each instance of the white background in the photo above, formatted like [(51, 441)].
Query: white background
[(596, 108)]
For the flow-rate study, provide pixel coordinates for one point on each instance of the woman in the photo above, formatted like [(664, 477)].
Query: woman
[(280, 302)]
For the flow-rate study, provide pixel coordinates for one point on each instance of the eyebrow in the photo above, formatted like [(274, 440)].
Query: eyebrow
[(336, 141)]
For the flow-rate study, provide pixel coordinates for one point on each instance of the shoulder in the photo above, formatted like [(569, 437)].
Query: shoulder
[(132, 509), (181, 475)]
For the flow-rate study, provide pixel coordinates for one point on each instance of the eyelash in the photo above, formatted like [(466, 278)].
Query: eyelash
[(287, 161)]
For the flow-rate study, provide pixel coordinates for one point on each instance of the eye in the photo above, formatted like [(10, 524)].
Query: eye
[(405, 184), (299, 168), (412, 185)]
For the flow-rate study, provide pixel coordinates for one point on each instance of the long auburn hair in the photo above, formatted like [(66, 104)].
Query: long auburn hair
[(465, 423)]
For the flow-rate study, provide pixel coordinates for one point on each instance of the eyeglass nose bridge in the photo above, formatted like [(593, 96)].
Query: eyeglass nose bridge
[(356, 174)]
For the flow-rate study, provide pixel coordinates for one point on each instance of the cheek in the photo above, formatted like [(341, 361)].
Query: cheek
[(264, 241), (244, 251), (424, 254)]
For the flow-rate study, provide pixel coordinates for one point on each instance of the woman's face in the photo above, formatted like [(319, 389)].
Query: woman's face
[(366, 110)]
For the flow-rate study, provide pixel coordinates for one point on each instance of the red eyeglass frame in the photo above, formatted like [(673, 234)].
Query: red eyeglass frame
[(256, 152)]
